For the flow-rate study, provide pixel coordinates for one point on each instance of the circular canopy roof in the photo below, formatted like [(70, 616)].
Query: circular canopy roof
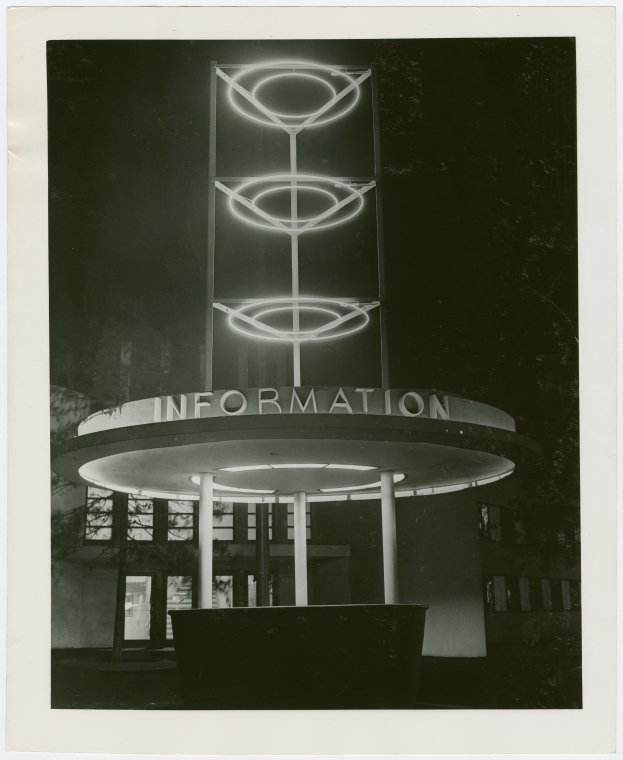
[(268, 457)]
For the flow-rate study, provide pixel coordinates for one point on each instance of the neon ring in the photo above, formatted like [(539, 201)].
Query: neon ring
[(288, 188), (333, 108), (346, 202), (342, 318), (290, 75), (397, 478)]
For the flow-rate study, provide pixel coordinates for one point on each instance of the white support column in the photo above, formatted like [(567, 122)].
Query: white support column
[(388, 519), (206, 535), (300, 550)]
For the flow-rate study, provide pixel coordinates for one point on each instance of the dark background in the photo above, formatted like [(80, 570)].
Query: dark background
[(479, 199)]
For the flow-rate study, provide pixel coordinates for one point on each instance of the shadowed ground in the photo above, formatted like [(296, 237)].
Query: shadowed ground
[(547, 675)]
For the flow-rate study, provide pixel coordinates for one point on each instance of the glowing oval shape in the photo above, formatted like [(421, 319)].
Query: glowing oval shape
[(344, 104), (345, 319), (289, 188), (243, 204), (277, 309), (398, 478), (290, 75)]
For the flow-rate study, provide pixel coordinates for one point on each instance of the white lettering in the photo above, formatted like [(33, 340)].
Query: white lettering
[(341, 402), (402, 404), (227, 395), (302, 401), (364, 397), (437, 409), (201, 401), (273, 400), (302, 407), (174, 409)]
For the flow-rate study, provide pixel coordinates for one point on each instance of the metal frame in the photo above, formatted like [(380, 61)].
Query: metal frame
[(358, 75), (209, 316)]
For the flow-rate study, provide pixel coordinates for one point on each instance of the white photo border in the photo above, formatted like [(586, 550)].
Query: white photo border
[(31, 724)]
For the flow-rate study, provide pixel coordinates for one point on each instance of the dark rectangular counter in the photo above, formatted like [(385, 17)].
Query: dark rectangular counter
[(325, 657)]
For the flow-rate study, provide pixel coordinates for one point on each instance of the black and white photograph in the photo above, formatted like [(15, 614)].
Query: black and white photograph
[(314, 375), (314, 379)]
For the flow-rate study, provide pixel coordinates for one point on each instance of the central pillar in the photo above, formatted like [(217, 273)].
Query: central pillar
[(262, 556), (390, 555), (300, 550), (206, 536)]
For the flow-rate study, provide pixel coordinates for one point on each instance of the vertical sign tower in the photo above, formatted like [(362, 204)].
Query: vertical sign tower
[(292, 204)]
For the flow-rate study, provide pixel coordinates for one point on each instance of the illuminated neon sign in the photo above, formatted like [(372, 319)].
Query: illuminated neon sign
[(245, 93), (340, 318), (345, 201), (336, 200)]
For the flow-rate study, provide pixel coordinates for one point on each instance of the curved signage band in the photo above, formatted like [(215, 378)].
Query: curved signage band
[(262, 444), (288, 400), (268, 457)]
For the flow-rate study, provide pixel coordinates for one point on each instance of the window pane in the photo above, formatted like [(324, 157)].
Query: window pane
[(98, 521), (222, 591), (556, 592), (483, 520), (99, 517), (140, 534), (180, 521), (252, 591), (495, 527), (140, 506), (179, 596), (223, 534), (180, 534), (98, 534), (140, 519), (488, 593), (536, 594), (499, 590), (513, 603), (137, 607), (524, 594), (223, 521), (180, 507)]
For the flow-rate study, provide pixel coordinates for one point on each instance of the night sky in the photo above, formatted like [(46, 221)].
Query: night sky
[(479, 204)]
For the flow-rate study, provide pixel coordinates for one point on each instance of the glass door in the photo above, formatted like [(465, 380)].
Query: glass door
[(137, 608)]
